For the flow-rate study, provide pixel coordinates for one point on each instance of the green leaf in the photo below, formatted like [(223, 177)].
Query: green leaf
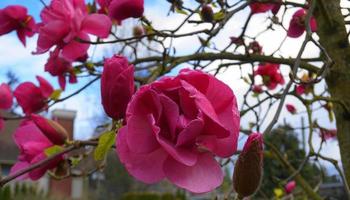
[(219, 16), (74, 161), (56, 94), (53, 150), (105, 142)]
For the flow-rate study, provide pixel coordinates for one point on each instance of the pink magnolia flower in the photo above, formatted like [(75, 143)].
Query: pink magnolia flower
[(31, 97), (32, 144), (291, 108), (6, 98), (257, 7), (271, 75), (248, 168), (59, 67), (290, 186), (63, 21), (175, 126), (327, 134), (122, 9), (117, 86), (15, 18), (297, 24), (51, 129)]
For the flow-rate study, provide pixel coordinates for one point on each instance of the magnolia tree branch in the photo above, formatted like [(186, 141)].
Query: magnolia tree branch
[(70, 148)]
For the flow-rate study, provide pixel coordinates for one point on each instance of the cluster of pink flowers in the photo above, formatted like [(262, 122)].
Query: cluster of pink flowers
[(270, 74), (64, 31), (297, 23), (65, 28)]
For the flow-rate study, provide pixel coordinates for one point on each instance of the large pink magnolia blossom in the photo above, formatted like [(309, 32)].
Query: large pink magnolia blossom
[(32, 144), (15, 18), (257, 7), (60, 67), (117, 86), (297, 24), (270, 74), (66, 21), (122, 9), (31, 97), (175, 127)]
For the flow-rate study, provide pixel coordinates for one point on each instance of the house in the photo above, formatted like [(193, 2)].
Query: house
[(68, 188)]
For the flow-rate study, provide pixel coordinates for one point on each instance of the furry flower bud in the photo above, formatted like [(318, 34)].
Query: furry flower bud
[(248, 169)]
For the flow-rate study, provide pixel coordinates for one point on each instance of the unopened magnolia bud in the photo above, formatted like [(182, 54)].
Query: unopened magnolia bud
[(207, 13), (257, 89), (290, 186), (255, 47), (51, 129), (248, 168), (138, 31)]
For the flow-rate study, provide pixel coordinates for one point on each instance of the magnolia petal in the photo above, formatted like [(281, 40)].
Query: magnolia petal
[(204, 176)]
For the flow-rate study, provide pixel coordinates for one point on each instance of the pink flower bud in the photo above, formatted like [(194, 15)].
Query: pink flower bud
[(255, 48), (117, 86), (257, 89), (237, 40), (138, 31), (123, 9), (248, 168), (291, 108), (51, 129), (290, 186)]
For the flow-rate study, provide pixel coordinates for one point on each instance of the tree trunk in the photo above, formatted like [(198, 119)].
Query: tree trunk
[(333, 37)]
